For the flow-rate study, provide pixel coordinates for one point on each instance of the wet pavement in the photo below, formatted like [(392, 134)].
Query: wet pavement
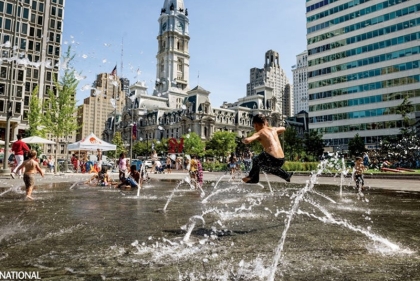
[(373, 181), (227, 231)]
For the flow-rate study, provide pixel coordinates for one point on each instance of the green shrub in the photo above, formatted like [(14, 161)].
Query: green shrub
[(214, 166), (300, 166)]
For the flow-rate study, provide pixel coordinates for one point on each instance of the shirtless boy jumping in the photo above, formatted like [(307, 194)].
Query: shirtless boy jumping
[(272, 158), (31, 167)]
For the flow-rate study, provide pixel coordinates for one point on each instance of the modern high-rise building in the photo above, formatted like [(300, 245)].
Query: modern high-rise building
[(272, 75), (107, 98), (363, 60), (300, 83), (30, 50)]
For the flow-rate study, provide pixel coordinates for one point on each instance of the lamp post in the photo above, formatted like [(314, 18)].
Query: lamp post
[(9, 95), (131, 141)]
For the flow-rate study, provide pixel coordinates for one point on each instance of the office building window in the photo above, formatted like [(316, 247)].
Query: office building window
[(9, 9), (8, 24), (3, 72), (18, 107)]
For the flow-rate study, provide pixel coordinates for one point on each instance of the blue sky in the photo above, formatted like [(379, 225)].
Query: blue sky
[(228, 38)]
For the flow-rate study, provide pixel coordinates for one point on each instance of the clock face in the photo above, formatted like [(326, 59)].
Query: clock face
[(179, 26)]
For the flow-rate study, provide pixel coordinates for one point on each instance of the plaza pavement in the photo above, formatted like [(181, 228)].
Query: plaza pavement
[(397, 182)]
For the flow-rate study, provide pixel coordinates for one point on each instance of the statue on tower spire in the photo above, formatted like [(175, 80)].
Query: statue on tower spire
[(174, 5)]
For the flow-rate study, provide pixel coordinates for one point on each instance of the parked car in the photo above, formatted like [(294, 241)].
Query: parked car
[(148, 163)]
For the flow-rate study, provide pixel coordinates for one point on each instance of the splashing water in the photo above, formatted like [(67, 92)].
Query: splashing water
[(269, 184), (187, 179), (309, 186), (205, 200), (142, 170), (7, 191), (215, 186), (190, 226), (329, 219)]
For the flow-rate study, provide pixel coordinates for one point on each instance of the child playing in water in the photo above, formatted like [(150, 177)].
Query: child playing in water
[(31, 167), (133, 180), (359, 168), (102, 178), (272, 158)]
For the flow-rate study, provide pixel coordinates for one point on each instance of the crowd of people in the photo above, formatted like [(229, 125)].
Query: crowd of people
[(270, 160)]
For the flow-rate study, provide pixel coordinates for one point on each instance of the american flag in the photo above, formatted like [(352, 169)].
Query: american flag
[(114, 71)]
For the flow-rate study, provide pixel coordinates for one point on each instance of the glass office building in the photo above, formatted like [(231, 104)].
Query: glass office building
[(30, 51), (363, 60)]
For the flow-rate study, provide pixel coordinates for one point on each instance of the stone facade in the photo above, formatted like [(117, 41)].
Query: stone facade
[(173, 109), (274, 76), (106, 98)]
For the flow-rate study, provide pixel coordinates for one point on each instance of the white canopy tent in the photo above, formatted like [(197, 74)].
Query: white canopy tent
[(91, 143), (36, 139)]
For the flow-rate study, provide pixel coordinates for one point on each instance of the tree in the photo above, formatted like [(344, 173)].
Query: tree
[(404, 148), (222, 143), (356, 146), (293, 144), (313, 144), (60, 106), (140, 148), (193, 144), (118, 141), (161, 146), (35, 116), (405, 109)]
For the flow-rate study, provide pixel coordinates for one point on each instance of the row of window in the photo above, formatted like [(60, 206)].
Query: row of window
[(358, 114), (367, 61), (365, 100), (344, 7), (361, 127), (8, 25), (18, 91), (366, 74), (9, 9), (365, 36), (363, 24), (367, 87), (367, 48), (16, 108), (319, 5)]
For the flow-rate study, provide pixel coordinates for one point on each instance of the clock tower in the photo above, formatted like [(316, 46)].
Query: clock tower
[(173, 59)]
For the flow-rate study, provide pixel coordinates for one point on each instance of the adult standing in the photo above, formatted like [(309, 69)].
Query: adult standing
[(19, 148), (51, 163)]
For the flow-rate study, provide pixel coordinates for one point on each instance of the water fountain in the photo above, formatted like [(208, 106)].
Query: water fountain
[(289, 232)]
